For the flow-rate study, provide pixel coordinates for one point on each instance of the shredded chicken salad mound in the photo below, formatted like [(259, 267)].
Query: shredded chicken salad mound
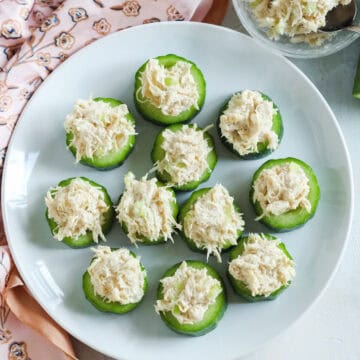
[(282, 188), (188, 294), (213, 222), (173, 90), (77, 208), (98, 128), (298, 19), (247, 121), (262, 267), (116, 275), (186, 153), (145, 209)]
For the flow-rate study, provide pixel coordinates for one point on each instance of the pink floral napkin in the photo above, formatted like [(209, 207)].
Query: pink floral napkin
[(26, 332), (35, 37)]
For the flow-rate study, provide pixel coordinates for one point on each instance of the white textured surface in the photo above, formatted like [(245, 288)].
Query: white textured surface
[(330, 329)]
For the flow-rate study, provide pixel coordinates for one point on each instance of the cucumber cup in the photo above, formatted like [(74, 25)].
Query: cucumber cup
[(293, 218), (142, 206), (205, 246), (263, 148), (152, 111), (212, 315), (158, 154), (113, 158), (240, 287), (87, 239), (143, 240), (103, 304)]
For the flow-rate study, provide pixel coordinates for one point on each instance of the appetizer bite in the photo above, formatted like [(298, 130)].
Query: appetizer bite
[(285, 193), (250, 125), (169, 89), (115, 280), (210, 221), (184, 156), (79, 212), (100, 132), (260, 267), (147, 211), (191, 298)]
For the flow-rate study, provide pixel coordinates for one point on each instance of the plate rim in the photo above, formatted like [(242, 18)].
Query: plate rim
[(26, 279)]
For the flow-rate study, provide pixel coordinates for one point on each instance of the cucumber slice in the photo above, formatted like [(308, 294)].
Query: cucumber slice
[(262, 147), (158, 154), (240, 287), (87, 239), (100, 303), (151, 112), (184, 211), (161, 240), (356, 88), (114, 158), (294, 218), (211, 317)]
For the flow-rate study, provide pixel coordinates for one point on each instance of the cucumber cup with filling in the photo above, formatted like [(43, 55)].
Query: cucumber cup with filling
[(285, 193), (147, 211), (177, 94), (79, 212), (250, 125), (115, 280), (184, 156), (191, 298), (210, 221), (260, 267), (100, 132)]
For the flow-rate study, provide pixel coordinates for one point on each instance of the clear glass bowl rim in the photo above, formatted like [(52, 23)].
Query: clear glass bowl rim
[(291, 50)]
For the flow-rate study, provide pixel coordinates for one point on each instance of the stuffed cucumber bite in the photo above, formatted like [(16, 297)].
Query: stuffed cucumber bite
[(79, 212), (260, 267), (211, 222), (250, 125), (184, 156), (284, 193), (115, 280), (191, 298), (100, 132), (169, 89), (147, 211)]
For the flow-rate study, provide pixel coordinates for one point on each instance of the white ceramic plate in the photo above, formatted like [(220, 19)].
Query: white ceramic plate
[(37, 159)]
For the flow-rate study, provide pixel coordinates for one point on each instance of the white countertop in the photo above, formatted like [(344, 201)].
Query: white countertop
[(330, 329)]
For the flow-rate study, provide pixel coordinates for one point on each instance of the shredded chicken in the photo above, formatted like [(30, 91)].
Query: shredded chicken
[(186, 153), (145, 209), (77, 208), (313, 39), (298, 19), (248, 121), (188, 294), (262, 267), (117, 275), (282, 188), (213, 222), (173, 90), (98, 128)]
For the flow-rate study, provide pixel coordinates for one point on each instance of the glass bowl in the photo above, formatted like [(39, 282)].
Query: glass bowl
[(283, 45)]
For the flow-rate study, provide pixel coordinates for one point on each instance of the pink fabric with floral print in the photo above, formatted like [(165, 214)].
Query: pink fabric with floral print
[(35, 37)]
